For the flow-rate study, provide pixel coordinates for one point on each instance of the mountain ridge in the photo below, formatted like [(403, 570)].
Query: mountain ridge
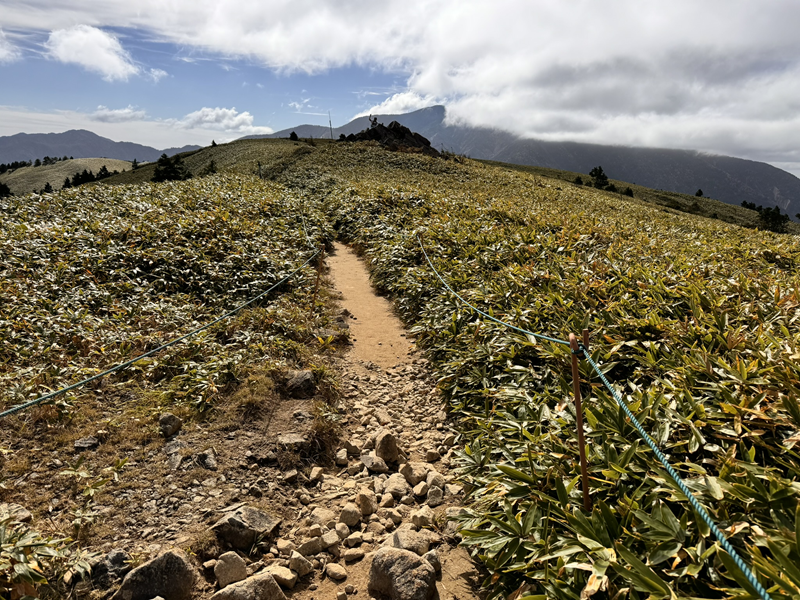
[(726, 178), (78, 143)]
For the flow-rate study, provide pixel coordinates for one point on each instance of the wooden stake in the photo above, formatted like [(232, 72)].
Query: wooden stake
[(320, 258), (576, 388)]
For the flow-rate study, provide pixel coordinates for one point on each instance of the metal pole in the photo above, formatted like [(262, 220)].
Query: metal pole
[(576, 388)]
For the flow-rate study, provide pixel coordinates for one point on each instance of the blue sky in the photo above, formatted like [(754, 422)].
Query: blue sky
[(717, 76)]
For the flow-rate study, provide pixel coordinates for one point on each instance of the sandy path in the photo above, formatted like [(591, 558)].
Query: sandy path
[(376, 333)]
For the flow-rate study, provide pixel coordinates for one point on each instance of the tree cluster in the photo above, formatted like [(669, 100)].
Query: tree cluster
[(18, 164), (769, 218), (170, 169), (87, 177), (601, 182), (4, 190)]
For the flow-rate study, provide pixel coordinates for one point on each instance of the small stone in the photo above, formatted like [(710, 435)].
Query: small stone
[(397, 486), (300, 565), (353, 554), (432, 456), (349, 589), (230, 568), (435, 479), (353, 540), (407, 539), (336, 571), (331, 538), (311, 547), (387, 501), (87, 443), (323, 516), (374, 464), (285, 547), (433, 559), (350, 515), (285, 578), (207, 459), (383, 417), (261, 586), (169, 424), (301, 384), (435, 496), (341, 595), (241, 528), (414, 472), (386, 446), (423, 517), (15, 512), (317, 474), (353, 446), (421, 489), (367, 502), (290, 476), (449, 440), (342, 530), (341, 457)]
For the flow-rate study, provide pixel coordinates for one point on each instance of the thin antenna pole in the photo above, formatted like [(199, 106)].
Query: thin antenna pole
[(330, 124)]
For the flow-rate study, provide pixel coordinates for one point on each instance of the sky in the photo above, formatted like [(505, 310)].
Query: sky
[(720, 76)]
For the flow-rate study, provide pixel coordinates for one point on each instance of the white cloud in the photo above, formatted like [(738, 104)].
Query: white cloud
[(157, 74), (221, 119), (8, 51), (118, 115), (93, 49), (401, 103), (715, 75)]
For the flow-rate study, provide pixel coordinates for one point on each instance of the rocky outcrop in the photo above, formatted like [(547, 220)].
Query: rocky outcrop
[(395, 137), (171, 576)]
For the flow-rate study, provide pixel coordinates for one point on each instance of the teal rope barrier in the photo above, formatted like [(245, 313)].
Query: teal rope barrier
[(683, 487), (480, 312), (127, 364)]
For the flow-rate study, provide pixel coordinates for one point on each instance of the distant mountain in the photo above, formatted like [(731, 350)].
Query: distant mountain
[(731, 180), (77, 143)]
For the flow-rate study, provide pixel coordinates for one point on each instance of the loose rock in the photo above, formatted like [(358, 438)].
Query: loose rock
[(241, 527), (169, 424), (401, 575), (230, 568), (170, 575), (336, 571), (261, 586)]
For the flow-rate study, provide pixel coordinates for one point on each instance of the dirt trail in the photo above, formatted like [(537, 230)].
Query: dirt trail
[(376, 333)]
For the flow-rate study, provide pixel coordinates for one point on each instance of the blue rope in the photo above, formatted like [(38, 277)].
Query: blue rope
[(674, 474), (125, 365), (480, 312)]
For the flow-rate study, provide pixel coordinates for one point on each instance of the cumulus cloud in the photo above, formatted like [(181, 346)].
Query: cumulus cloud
[(402, 102), (667, 74), (221, 119), (157, 74), (8, 51), (118, 115), (93, 49)]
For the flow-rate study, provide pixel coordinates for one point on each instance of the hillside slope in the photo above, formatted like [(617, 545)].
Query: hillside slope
[(728, 179), (29, 179)]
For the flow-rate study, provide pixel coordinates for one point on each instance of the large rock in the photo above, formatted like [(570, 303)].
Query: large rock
[(283, 576), (169, 424), (243, 526), (111, 568), (401, 575), (367, 502), (171, 576), (408, 539), (261, 586), (229, 569), (301, 384), (374, 464), (386, 447)]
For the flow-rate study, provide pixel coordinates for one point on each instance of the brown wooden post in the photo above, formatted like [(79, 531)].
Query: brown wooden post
[(576, 388), (320, 258)]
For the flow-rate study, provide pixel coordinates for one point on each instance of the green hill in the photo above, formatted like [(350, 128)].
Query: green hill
[(693, 320), (29, 179)]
